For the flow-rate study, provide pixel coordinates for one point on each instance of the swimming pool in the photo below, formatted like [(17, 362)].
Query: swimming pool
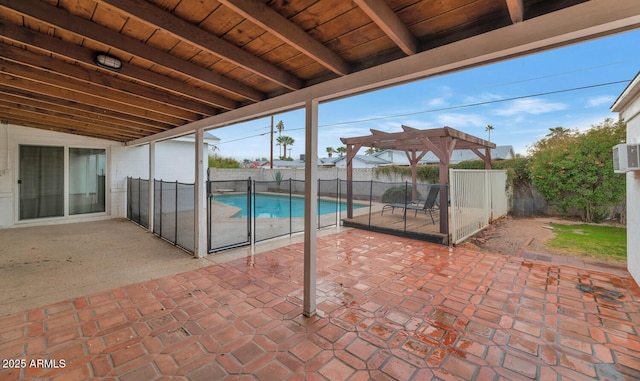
[(277, 206)]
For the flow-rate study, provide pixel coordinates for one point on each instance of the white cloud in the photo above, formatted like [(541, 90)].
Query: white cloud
[(437, 102), (459, 121), (416, 123), (530, 106), (486, 97), (598, 101), (588, 121)]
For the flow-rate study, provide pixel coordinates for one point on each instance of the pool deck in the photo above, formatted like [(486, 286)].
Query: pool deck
[(389, 308)]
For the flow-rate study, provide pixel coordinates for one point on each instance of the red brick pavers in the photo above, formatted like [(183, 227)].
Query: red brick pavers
[(388, 308)]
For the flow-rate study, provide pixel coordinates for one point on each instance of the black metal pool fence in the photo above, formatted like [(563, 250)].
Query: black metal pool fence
[(232, 225), (173, 209), (238, 225)]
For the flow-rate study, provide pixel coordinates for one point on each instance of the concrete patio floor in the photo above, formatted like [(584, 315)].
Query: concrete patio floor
[(42, 265), (389, 308)]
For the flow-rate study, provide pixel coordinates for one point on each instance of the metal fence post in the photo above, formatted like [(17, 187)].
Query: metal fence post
[(318, 204), (251, 221), (338, 206), (160, 222), (370, 200), (406, 188), (128, 197), (290, 209), (175, 228)]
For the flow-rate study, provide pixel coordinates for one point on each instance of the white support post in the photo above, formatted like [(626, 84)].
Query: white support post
[(310, 206), (200, 223), (152, 175)]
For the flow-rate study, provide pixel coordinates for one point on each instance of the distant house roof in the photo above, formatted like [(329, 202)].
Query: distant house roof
[(329, 160), (498, 153), (370, 159), (288, 164), (367, 159)]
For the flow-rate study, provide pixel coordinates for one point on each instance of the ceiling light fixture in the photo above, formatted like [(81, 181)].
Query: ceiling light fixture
[(108, 62)]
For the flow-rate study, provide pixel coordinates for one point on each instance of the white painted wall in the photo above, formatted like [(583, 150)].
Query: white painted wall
[(628, 105), (175, 161), (125, 162)]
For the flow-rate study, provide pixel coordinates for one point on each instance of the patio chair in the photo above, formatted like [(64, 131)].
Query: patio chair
[(428, 206)]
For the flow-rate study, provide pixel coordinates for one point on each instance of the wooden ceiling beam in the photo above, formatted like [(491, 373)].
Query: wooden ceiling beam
[(27, 115), (516, 10), (85, 57), (53, 90), (141, 96), (183, 30), (387, 20), (84, 91), (60, 18), (52, 107), (133, 122), (273, 22), (49, 127)]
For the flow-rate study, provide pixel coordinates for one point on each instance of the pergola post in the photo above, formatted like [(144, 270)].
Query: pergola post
[(413, 161), (443, 179), (352, 149), (349, 181), (487, 158)]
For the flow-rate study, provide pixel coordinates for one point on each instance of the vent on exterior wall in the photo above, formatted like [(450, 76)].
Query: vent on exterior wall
[(626, 157)]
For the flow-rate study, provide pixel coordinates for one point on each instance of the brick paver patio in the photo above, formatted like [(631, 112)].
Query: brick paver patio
[(388, 308)]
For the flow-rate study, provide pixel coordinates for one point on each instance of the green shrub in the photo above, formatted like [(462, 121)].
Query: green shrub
[(397, 194), (216, 161)]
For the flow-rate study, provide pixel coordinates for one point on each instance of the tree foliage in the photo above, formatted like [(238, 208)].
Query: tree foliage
[(216, 161), (285, 141), (430, 173), (574, 170)]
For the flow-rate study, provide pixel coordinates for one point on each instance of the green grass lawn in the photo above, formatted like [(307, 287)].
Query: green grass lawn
[(603, 242)]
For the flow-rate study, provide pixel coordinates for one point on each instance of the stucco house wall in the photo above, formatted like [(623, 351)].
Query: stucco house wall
[(628, 106)]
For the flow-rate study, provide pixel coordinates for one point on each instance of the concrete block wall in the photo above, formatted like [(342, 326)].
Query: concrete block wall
[(267, 174)]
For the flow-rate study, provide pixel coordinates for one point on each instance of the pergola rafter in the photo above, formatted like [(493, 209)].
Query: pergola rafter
[(416, 144)]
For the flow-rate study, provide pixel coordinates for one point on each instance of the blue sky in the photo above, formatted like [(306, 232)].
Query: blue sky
[(441, 101)]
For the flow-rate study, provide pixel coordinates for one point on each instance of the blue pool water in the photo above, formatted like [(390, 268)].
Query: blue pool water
[(275, 206)]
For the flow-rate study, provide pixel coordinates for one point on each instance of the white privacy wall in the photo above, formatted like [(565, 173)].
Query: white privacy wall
[(628, 105)]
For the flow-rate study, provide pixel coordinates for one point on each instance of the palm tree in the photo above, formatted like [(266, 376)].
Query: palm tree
[(370, 151), (489, 128), (285, 141), (330, 151), (558, 132), (280, 127), (341, 150)]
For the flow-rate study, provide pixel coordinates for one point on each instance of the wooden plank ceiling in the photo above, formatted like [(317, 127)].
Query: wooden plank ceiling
[(185, 60)]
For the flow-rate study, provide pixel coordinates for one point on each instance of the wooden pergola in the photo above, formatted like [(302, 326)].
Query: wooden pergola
[(416, 144)]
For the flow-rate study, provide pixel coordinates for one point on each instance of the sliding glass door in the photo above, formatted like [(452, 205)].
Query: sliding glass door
[(41, 182), (87, 170), (42, 190)]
